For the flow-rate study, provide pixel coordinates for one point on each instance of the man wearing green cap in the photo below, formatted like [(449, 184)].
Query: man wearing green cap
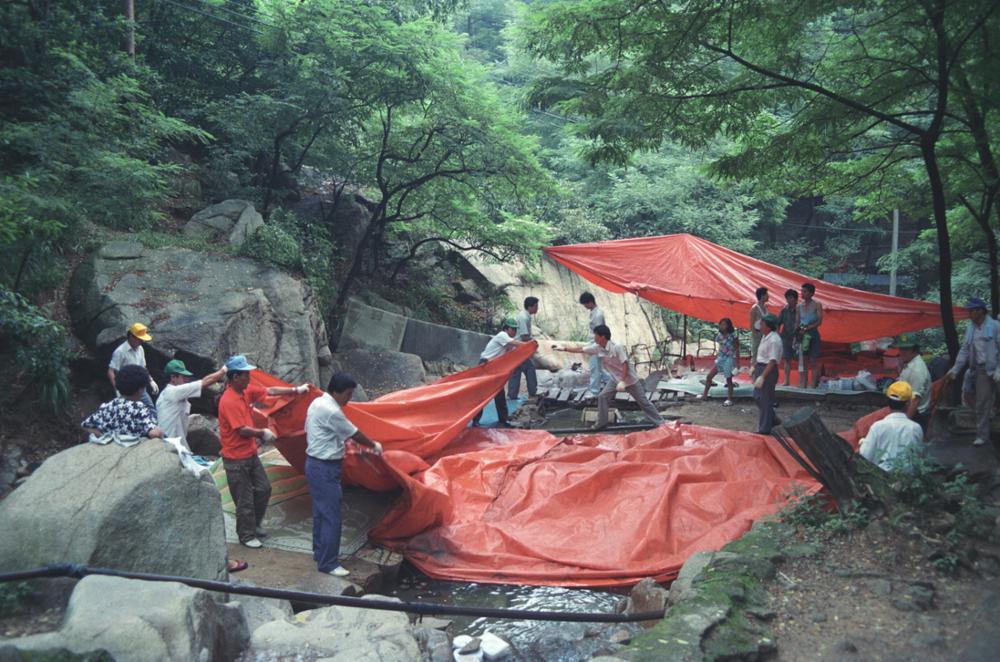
[(498, 345), (173, 406), (765, 373)]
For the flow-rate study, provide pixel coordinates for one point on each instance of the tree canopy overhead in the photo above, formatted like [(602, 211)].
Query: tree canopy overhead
[(821, 95)]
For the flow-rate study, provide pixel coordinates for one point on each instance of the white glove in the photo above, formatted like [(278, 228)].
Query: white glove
[(152, 385), (268, 436), (377, 448), (225, 370), (759, 383), (302, 389)]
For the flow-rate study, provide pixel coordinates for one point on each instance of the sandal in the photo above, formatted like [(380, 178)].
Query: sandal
[(727, 403), (235, 565)]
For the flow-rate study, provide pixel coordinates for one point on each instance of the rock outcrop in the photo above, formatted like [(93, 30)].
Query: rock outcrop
[(232, 220), (138, 620), (382, 371), (200, 308), (332, 632), (108, 506)]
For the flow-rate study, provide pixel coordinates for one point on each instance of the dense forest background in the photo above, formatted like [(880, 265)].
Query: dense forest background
[(788, 132)]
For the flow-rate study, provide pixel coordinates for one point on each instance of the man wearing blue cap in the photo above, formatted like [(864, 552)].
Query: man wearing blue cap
[(248, 483), (981, 352)]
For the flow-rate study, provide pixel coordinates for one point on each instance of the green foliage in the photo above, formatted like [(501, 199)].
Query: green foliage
[(38, 348), (813, 515), (272, 243), (80, 137)]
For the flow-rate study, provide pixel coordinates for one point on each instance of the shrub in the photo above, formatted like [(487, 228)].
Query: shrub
[(38, 344)]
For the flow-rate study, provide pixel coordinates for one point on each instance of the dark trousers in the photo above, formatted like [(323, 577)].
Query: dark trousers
[(765, 399), (499, 400), (251, 491), (530, 378), (326, 493)]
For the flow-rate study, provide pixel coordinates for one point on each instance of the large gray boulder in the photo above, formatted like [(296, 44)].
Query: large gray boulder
[(108, 506), (232, 220), (332, 632), (382, 371), (138, 620), (200, 308)]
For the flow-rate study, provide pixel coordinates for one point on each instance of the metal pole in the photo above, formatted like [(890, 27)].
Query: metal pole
[(895, 250), (130, 19), (684, 343)]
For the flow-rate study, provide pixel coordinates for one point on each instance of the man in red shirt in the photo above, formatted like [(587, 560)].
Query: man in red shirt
[(248, 483)]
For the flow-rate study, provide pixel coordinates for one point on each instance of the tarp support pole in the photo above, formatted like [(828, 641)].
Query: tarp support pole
[(684, 342)]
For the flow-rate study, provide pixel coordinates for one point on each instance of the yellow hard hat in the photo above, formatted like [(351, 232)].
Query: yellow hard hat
[(900, 391), (140, 331)]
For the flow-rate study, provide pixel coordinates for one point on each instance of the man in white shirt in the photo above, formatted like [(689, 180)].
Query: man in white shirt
[(598, 377), (916, 374), (499, 344), (893, 441), (765, 373), (131, 352), (523, 334), (327, 433), (173, 406), (614, 359)]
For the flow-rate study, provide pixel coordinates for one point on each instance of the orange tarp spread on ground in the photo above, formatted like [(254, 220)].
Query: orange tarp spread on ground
[(512, 506), (704, 280)]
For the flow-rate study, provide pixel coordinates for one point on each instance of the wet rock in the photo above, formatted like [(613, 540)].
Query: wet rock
[(493, 647), (203, 435), (435, 644), (340, 631), (138, 620), (388, 561), (470, 646), (113, 507), (645, 596)]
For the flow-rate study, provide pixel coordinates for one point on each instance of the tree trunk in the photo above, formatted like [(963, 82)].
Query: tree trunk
[(944, 244)]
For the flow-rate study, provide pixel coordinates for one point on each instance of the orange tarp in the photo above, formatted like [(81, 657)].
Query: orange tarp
[(704, 280), (512, 506)]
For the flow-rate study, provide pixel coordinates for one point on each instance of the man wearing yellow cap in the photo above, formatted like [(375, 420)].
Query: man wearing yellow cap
[(892, 442), (131, 352)]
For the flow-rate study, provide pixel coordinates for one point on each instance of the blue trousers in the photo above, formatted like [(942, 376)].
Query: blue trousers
[(324, 487), (514, 384), (598, 378)]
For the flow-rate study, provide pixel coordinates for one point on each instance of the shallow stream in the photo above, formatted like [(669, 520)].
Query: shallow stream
[(532, 640)]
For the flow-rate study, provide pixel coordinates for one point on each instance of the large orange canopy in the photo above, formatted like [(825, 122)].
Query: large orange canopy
[(704, 280)]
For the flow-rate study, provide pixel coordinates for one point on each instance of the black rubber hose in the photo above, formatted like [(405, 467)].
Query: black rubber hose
[(422, 608)]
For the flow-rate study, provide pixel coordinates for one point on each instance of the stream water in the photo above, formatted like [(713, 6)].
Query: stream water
[(532, 640)]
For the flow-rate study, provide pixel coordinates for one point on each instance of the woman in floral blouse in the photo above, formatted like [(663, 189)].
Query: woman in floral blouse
[(126, 415)]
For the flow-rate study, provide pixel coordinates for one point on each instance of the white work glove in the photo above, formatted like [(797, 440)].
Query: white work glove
[(302, 389), (377, 448), (268, 436), (759, 383), (154, 387), (225, 370)]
